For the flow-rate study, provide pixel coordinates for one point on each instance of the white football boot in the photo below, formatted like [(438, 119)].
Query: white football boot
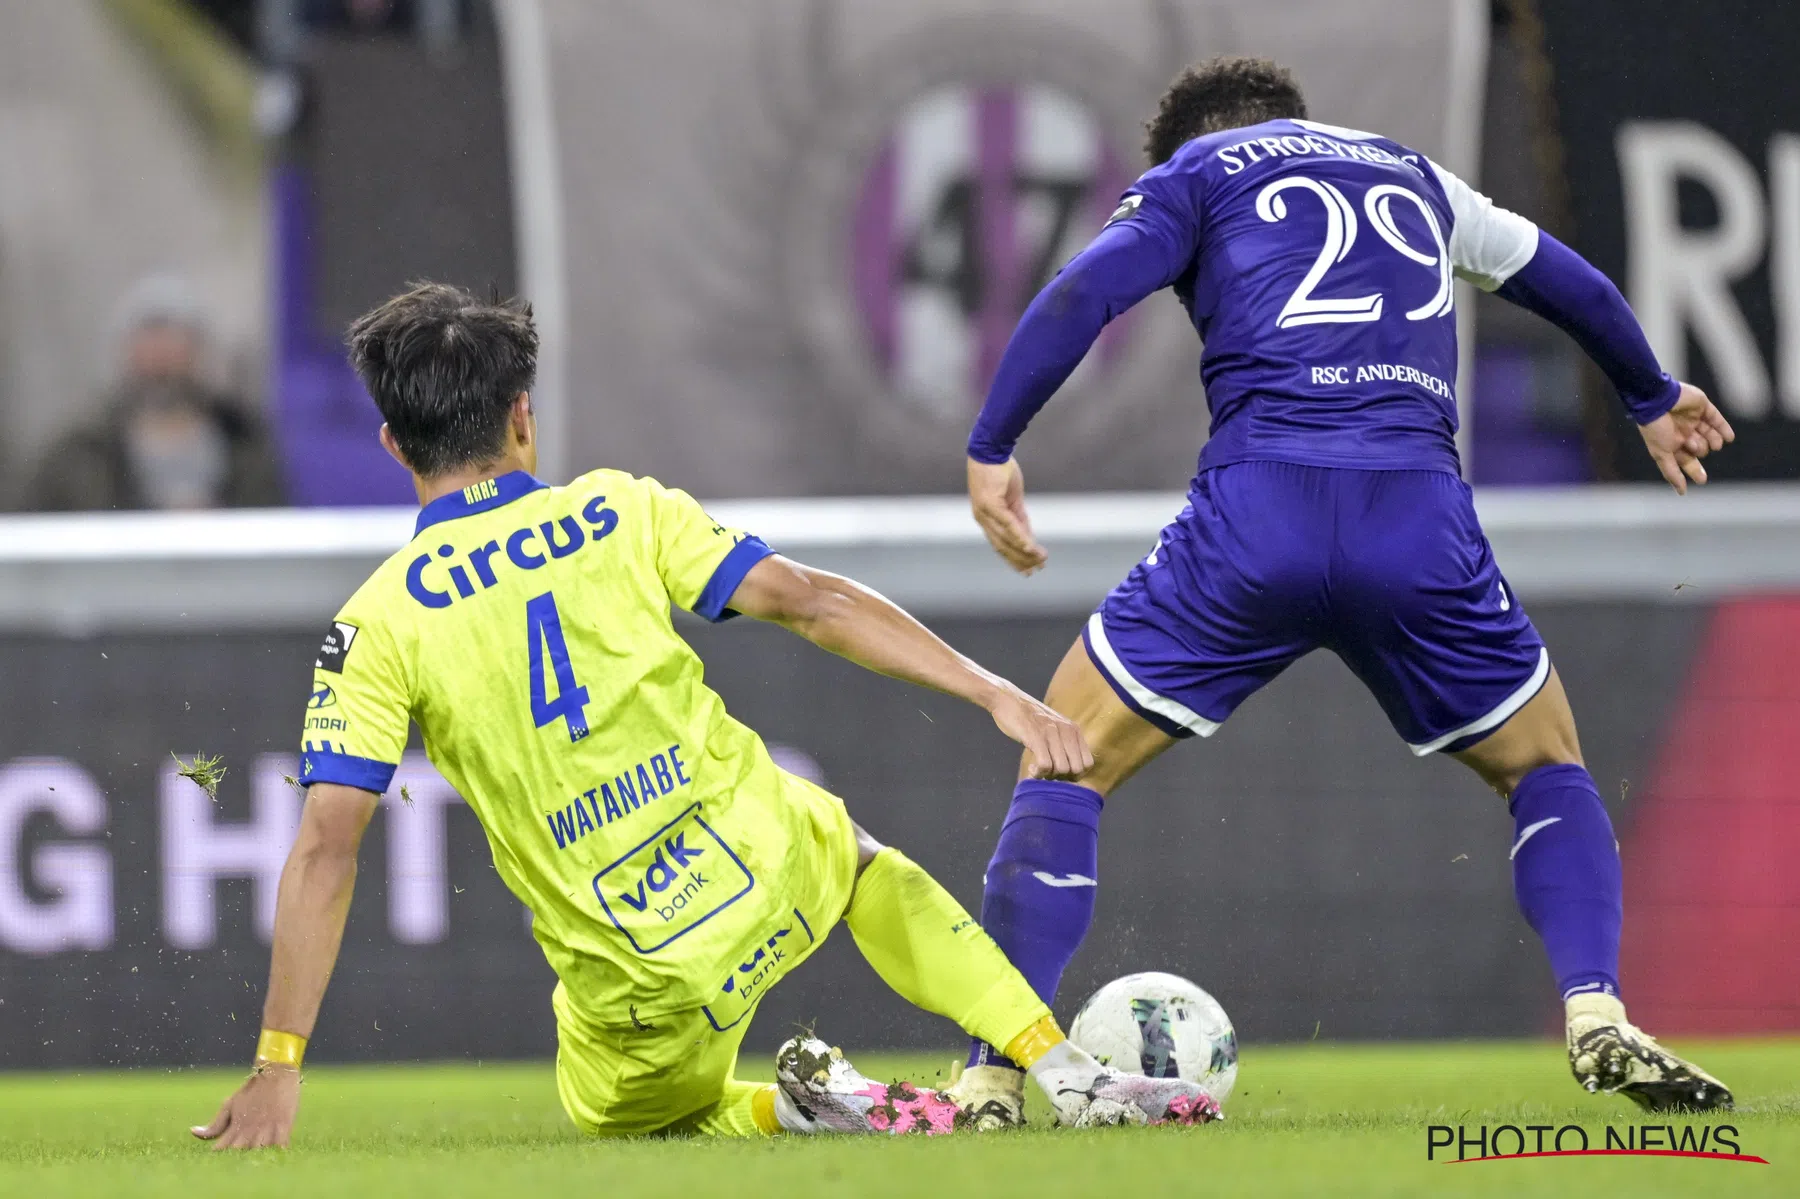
[(1607, 1054), (990, 1097), (1086, 1094)]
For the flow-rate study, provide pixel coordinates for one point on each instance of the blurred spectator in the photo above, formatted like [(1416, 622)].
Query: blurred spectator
[(165, 438)]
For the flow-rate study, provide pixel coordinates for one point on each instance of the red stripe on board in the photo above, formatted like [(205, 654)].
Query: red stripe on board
[(1723, 1157), (1709, 841)]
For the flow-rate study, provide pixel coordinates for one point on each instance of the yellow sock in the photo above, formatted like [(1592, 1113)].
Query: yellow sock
[(762, 1111), (747, 1109), (931, 951)]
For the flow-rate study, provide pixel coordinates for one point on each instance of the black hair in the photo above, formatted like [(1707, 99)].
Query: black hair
[(444, 367), (1227, 92)]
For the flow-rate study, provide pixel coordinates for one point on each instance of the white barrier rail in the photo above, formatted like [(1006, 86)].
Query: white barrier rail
[(85, 573)]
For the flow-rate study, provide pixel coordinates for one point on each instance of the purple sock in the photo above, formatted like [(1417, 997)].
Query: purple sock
[(1039, 897), (1566, 874)]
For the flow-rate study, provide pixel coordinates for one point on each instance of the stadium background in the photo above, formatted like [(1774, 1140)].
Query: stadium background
[(774, 250)]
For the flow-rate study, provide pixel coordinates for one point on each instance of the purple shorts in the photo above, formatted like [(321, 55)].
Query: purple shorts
[(1388, 569)]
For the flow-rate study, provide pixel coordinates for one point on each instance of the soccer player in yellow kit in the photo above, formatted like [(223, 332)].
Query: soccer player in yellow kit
[(673, 871)]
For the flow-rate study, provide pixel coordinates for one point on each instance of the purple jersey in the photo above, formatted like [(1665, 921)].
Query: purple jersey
[(1318, 265), (1320, 278)]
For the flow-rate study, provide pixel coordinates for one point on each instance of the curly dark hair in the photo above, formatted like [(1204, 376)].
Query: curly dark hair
[(1221, 93), (444, 367)]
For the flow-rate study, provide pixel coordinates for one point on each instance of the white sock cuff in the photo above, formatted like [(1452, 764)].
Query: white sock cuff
[(1064, 1055), (1595, 1004)]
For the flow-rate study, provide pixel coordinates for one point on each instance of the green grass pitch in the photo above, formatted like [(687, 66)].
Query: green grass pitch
[(1306, 1120)]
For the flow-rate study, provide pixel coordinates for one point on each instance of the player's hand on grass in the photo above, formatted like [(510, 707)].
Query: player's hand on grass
[(1055, 743), (1683, 435), (259, 1114), (997, 496)]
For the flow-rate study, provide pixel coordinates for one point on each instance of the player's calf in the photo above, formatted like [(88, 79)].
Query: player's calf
[(1039, 887), (1567, 875), (1038, 892)]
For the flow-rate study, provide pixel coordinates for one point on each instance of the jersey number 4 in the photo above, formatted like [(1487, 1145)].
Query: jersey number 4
[(544, 639), (1302, 307)]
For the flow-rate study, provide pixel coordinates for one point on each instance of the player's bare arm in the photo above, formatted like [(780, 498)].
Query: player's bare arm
[(310, 909), (842, 616)]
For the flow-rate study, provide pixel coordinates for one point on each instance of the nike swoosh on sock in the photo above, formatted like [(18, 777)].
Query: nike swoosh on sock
[(1530, 830)]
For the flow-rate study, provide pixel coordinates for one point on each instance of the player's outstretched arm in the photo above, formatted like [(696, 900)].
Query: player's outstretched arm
[(1680, 426), (1141, 251), (843, 616), (310, 908)]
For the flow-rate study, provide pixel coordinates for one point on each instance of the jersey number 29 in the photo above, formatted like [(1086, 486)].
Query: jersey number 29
[(544, 639), (1302, 308)]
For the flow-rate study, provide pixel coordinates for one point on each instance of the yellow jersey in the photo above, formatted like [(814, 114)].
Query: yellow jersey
[(527, 630)]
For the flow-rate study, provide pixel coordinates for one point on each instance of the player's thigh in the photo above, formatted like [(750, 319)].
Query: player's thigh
[(1122, 741), (1231, 595), (819, 881), (1422, 615), (1542, 733), (645, 1076)]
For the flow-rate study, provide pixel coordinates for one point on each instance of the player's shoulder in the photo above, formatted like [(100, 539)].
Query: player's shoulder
[(610, 482), (383, 600), (1173, 188), (376, 614), (607, 476), (1189, 165)]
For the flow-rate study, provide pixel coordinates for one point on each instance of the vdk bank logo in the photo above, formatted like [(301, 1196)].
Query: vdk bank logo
[(976, 198)]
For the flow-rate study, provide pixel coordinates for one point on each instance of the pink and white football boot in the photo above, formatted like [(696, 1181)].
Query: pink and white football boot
[(817, 1091)]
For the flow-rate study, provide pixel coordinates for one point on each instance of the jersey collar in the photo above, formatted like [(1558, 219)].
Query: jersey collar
[(477, 497)]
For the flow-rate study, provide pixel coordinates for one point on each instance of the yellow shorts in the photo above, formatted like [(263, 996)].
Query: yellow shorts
[(672, 1072)]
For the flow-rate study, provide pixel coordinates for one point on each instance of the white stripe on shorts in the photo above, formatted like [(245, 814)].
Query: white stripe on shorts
[(1499, 715), (1145, 698)]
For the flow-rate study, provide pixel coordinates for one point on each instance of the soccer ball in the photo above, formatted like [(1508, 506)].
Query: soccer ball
[(1163, 1026)]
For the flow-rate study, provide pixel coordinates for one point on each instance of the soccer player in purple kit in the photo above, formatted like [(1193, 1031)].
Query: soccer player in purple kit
[(1318, 266)]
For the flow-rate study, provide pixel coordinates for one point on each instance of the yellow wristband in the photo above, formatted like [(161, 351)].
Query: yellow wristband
[(280, 1048)]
